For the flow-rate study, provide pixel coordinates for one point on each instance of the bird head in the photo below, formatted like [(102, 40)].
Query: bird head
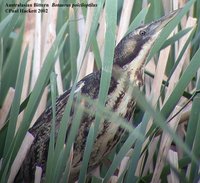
[(135, 46)]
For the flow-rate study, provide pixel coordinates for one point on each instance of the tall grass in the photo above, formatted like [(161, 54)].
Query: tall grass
[(41, 55)]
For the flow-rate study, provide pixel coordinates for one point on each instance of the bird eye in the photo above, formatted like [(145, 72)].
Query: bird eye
[(142, 32)]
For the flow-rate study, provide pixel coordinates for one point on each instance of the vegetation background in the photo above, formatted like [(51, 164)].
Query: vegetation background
[(43, 54)]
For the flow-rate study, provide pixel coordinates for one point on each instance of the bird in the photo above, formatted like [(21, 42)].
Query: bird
[(128, 70)]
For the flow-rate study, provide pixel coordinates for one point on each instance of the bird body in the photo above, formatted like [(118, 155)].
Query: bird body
[(102, 146), (130, 56)]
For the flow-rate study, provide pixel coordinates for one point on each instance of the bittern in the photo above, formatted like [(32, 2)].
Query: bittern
[(129, 58)]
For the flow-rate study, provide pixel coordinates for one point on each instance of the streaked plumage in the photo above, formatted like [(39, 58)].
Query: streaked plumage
[(130, 55)]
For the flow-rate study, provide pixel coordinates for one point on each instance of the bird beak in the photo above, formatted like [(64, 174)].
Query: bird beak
[(158, 25)]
